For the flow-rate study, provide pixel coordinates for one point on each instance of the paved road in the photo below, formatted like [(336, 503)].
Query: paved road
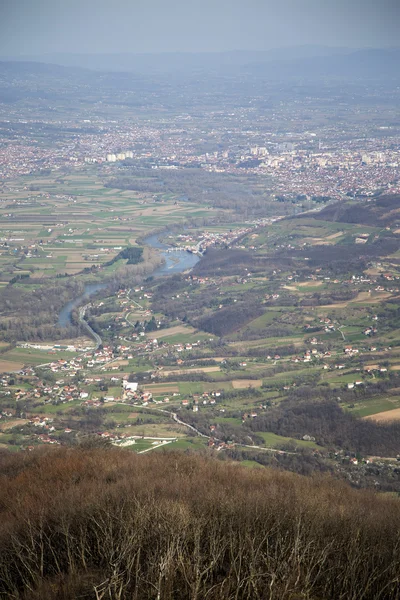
[(178, 420), (95, 336)]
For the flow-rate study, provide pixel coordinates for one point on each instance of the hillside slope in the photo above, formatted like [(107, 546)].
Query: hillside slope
[(383, 211), (111, 524)]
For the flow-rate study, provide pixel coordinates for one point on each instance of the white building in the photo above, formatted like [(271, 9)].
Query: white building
[(130, 386)]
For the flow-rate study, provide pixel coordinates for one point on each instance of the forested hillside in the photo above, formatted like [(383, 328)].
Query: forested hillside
[(382, 211), (105, 523)]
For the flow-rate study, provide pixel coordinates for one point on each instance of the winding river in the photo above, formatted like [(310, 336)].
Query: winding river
[(176, 261), (64, 318)]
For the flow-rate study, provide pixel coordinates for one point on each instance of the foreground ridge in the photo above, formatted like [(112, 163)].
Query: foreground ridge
[(105, 523)]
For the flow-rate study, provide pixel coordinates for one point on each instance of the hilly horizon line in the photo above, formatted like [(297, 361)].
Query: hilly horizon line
[(313, 60), (275, 49)]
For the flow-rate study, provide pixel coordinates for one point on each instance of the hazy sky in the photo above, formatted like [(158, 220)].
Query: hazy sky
[(97, 26)]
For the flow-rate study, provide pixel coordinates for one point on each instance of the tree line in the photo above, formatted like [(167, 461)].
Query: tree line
[(331, 426)]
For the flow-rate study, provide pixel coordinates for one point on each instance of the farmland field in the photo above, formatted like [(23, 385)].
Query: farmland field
[(388, 415), (78, 224), (236, 346)]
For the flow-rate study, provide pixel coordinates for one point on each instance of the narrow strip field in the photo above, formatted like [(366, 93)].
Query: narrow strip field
[(176, 330), (9, 366), (161, 388), (241, 384), (388, 415)]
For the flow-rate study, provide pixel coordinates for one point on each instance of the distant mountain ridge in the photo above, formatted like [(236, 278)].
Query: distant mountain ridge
[(178, 60), (307, 61)]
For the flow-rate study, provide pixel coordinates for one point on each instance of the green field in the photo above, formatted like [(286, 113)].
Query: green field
[(272, 440)]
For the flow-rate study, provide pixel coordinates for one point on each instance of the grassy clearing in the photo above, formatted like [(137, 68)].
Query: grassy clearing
[(272, 440), (374, 406), (155, 430), (36, 357), (251, 464), (185, 338), (187, 443)]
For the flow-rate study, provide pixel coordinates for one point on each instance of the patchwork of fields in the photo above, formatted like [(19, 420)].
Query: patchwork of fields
[(63, 225), (280, 320)]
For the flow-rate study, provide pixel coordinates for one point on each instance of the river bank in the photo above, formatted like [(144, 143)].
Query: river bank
[(64, 318), (174, 261)]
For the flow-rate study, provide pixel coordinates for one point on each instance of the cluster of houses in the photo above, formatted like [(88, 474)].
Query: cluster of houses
[(354, 280), (328, 325), (201, 399), (131, 393), (207, 239), (219, 444), (88, 360), (57, 392), (350, 351), (372, 370), (188, 346), (390, 277), (202, 280), (306, 357), (369, 331)]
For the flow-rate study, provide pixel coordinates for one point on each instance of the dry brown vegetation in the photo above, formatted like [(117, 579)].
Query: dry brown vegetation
[(105, 523), (10, 366), (386, 416), (176, 330), (240, 384)]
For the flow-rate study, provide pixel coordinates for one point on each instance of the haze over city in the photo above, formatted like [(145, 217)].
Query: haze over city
[(99, 26)]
